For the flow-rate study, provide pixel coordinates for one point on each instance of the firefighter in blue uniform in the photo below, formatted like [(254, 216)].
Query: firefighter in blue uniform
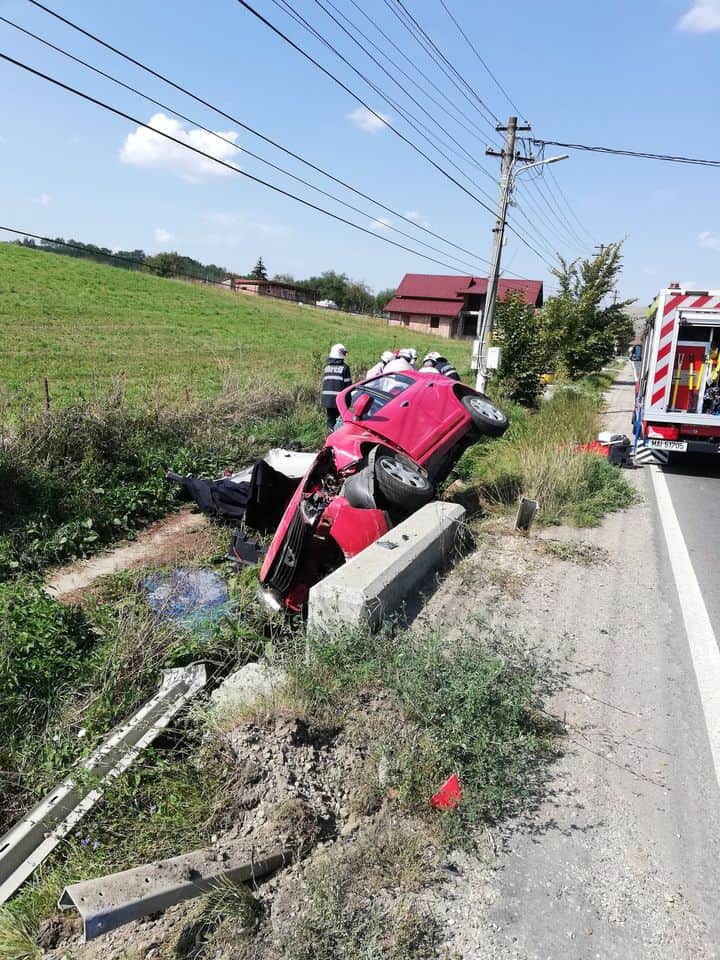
[(434, 362), (336, 377)]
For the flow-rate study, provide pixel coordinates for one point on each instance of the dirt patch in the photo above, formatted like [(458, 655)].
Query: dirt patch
[(180, 538)]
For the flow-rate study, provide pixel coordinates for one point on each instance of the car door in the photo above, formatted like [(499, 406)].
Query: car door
[(419, 414)]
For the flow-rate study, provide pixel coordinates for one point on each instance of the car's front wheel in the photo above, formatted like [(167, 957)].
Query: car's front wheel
[(486, 417), (401, 482)]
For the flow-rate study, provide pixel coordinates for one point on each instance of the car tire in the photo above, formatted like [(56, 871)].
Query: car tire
[(485, 416), (401, 483)]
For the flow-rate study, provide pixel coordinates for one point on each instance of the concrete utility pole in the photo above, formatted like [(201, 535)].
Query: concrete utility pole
[(485, 318)]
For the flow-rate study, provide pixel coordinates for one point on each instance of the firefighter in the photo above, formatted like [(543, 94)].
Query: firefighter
[(413, 355), (400, 363), (385, 357), (434, 362), (336, 377)]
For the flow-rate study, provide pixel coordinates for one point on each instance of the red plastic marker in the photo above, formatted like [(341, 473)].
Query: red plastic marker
[(449, 795)]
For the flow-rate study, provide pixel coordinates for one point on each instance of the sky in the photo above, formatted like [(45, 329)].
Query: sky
[(636, 74)]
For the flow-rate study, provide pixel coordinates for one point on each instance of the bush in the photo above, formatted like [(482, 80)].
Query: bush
[(85, 475), (43, 645), (518, 332)]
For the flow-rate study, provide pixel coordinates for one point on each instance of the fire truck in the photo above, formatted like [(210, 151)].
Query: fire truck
[(677, 405)]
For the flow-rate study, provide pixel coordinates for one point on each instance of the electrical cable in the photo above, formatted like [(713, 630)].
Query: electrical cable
[(552, 178), (244, 126), (452, 67), (409, 118), (256, 133), (475, 50), (208, 156), (387, 73), (428, 50), (413, 146), (547, 191), (477, 131), (619, 152), (231, 143), (564, 231)]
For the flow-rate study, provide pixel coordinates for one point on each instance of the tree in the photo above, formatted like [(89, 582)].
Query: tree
[(165, 264), (284, 277), (383, 298), (517, 331), (581, 329), (258, 271)]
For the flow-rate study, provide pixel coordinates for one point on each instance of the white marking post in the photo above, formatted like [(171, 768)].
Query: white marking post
[(700, 635)]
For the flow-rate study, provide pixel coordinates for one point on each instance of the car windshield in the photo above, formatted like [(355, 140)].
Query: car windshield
[(380, 390)]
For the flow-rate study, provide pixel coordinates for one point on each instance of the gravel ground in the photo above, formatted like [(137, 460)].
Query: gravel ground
[(620, 860)]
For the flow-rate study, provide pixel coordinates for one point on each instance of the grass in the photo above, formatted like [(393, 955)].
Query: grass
[(82, 324), (575, 551), (536, 458)]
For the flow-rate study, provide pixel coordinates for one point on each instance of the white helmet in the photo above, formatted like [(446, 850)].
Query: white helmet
[(411, 352), (338, 351), (406, 353), (431, 357), (386, 356)]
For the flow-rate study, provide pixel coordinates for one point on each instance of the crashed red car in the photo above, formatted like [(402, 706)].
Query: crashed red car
[(401, 434)]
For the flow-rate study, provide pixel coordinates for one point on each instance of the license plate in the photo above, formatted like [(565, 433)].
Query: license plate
[(680, 445)]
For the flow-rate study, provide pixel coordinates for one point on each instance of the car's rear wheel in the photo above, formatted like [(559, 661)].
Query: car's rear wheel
[(486, 417), (401, 482)]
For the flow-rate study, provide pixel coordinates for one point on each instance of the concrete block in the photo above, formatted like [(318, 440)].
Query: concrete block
[(248, 685), (386, 574)]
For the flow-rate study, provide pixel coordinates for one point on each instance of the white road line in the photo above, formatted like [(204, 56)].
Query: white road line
[(701, 637)]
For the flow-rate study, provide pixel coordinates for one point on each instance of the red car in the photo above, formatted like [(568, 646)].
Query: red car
[(401, 434)]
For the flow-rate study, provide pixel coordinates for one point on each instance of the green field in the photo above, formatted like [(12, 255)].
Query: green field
[(81, 324)]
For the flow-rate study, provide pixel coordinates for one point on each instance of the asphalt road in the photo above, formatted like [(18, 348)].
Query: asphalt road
[(621, 861), (694, 484)]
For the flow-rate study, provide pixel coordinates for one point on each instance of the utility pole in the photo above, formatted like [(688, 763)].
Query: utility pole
[(486, 317), (602, 247)]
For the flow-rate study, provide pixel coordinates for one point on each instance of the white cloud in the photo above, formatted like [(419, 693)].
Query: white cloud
[(381, 224), (144, 148), (368, 120), (43, 199), (417, 218), (702, 17), (709, 241), (234, 226), (163, 236)]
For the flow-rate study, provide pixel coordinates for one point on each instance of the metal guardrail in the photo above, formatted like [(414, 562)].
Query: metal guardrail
[(24, 847), (110, 902)]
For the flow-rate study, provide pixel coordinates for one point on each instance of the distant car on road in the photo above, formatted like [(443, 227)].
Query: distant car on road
[(400, 436)]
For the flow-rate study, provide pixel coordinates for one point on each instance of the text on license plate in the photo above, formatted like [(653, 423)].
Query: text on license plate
[(669, 444)]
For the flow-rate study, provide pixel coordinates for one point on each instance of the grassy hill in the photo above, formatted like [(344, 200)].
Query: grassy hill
[(81, 324)]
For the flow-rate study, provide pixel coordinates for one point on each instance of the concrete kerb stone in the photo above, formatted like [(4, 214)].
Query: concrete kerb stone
[(386, 574)]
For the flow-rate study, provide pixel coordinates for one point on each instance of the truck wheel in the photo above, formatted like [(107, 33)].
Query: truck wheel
[(486, 417), (401, 483)]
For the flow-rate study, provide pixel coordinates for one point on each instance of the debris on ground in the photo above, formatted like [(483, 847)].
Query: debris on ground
[(257, 681), (192, 599)]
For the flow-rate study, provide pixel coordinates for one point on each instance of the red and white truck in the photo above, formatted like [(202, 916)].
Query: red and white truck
[(677, 406)]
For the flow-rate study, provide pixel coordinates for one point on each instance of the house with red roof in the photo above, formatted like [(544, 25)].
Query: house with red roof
[(448, 305)]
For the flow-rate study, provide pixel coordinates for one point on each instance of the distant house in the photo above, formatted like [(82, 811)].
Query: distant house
[(448, 305), (271, 288)]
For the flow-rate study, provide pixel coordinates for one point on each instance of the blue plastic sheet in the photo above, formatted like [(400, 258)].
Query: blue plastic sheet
[(190, 598)]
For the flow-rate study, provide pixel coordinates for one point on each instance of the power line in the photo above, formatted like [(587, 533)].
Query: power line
[(426, 47), (208, 156), (566, 230), (397, 132), (619, 152), (581, 225), (229, 142), (475, 50), (395, 47), (553, 190), (387, 73), (256, 133), (409, 118), (452, 67)]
